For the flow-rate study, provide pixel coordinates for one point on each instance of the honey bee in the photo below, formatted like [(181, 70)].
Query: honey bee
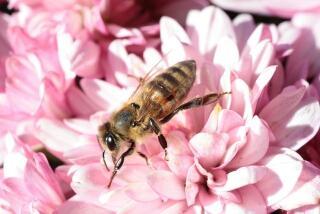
[(153, 103)]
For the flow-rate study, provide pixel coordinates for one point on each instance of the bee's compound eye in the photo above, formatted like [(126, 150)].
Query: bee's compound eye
[(110, 142)]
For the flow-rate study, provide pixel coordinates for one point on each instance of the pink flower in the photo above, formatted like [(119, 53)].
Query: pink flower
[(83, 59), (285, 9), (303, 36), (237, 157), (28, 97), (27, 183)]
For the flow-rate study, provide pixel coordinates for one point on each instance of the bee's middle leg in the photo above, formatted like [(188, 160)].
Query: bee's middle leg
[(162, 140), (196, 102)]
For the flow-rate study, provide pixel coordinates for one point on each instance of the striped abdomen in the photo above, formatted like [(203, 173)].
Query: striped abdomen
[(168, 89)]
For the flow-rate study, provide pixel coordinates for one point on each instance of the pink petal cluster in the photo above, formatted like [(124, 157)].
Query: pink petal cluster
[(66, 66), (28, 184)]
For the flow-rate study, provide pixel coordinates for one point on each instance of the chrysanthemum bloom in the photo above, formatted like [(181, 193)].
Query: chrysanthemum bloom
[(235, 157), (53, 42), (27, 182), (303, 35), (43, 48)]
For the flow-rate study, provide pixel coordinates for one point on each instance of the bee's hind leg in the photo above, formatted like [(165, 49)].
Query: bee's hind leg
[(120, 161), (162, 140), (196, 102)]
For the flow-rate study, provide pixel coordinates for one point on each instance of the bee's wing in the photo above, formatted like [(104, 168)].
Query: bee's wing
[(154, 71)]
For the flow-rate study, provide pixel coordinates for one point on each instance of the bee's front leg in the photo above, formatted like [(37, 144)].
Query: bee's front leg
[(162, 140), (120, 161)]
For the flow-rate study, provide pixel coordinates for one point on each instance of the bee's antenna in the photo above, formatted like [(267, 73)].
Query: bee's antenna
[(104, 160)]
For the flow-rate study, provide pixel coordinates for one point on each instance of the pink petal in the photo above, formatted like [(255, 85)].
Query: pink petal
[(57, 137), (47, 173), (179, 164), (263, 55), (257, 55), (80, 207), (216, 177), (116, 200), (231, 153), (16, 187), (167, 185), (79, 103), (261, 33), (238, 135), (212, 122), (277, 82), (80, 55), (207, 35), (23, 91), (141, 192), (151, 57), (178, 207), (146, 207), (88, 153), (282, 105), (294, 120), (40, 188), (211, 203), (242, 177), (241, 98), (170, 29), (251, 202), (243, 26), (308, 186), (256, 146), (209, 148), (118, 62), (120, 32), (306, 116), (227, 54), (104, 94), (304, 50), (229, 120), (284, 171), (89, 178), (21, 40), (178, 143), (133, 172), (191, 187), (14, 165), (173, 37), (53, 100), (81, 125), (260, 84)]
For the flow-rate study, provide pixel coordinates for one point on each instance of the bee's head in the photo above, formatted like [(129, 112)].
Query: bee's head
[(109, 139)]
